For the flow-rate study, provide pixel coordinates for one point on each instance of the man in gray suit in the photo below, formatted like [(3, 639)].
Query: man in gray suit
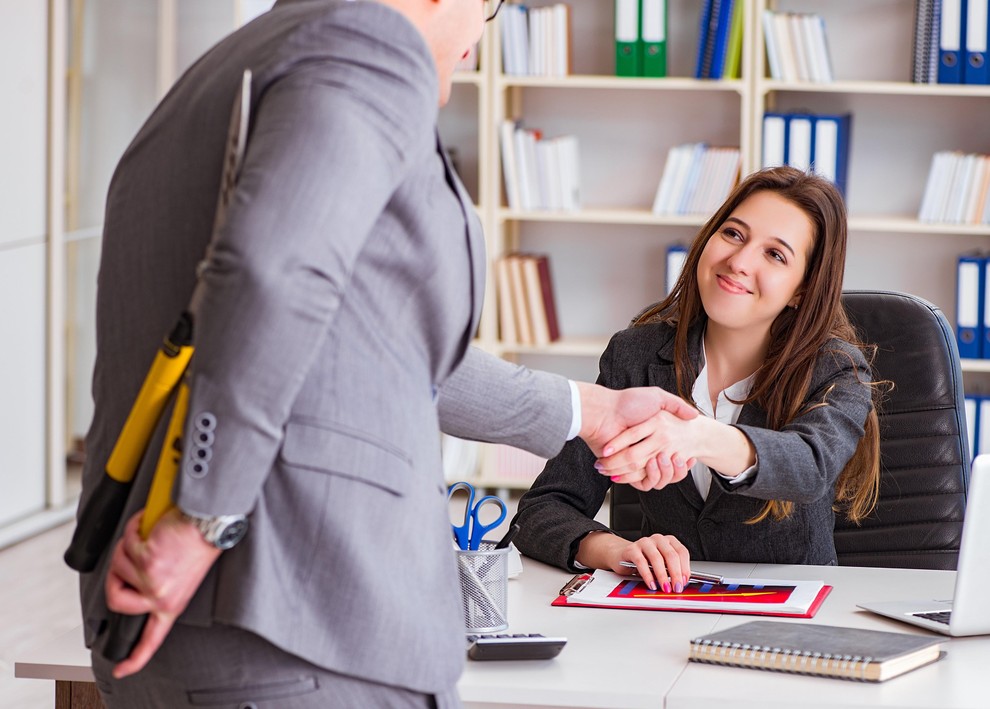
[(333, 316)]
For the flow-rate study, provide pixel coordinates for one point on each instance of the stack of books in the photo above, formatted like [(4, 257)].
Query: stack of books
[(540, 173), (696, 179), (957, 190), (720, 40), (796, 47), (536, 40), (527, 310)]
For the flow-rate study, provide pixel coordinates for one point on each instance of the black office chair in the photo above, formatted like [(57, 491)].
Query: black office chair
[(923, 444)]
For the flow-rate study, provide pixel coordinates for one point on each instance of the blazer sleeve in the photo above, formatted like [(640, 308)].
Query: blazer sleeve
[(802, 461), (489, 399), (331, 139)]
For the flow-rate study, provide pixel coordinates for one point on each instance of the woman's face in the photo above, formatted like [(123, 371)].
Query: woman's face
[(753, 266)]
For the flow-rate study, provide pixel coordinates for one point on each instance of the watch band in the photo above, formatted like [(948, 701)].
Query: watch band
[(223, 531)]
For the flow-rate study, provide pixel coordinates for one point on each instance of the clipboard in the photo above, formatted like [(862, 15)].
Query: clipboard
[(614, 592)]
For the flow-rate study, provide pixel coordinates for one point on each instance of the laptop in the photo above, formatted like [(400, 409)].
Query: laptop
[(968, 613)]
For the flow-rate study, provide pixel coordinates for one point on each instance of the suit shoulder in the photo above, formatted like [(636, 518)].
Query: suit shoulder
[(838, 356)]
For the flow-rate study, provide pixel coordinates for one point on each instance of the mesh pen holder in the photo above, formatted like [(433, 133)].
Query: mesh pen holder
[(484, 577)]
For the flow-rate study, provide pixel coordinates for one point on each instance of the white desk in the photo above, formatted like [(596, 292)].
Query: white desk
[(630, 659)]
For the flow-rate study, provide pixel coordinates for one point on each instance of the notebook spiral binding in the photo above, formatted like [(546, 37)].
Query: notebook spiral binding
[(780, 660)]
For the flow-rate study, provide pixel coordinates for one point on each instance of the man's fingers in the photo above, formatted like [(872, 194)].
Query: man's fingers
[(155, 631)]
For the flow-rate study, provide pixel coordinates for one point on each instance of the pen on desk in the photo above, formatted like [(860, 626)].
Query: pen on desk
[(696, 576), (504, 541)]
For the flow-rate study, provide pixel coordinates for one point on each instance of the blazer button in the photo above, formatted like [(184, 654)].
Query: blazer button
[(206, 421), (197, 468), (204, 438)]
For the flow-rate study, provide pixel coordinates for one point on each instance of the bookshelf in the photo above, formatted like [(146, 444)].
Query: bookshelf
[(607, 258)]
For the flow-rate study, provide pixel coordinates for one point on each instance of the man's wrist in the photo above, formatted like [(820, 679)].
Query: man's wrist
[(222, 531)]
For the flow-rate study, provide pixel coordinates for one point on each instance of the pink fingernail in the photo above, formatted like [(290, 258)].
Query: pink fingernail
[(615, 478), (608, 451), (666, 587)]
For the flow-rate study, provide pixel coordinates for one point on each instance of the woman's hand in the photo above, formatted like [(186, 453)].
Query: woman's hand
[(669, 559), (652, 454), (661, 561)]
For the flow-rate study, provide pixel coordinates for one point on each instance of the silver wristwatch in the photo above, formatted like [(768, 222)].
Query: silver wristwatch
[(223, 532)]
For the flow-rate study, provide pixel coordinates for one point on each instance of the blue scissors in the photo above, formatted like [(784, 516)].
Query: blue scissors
[(470, 534)]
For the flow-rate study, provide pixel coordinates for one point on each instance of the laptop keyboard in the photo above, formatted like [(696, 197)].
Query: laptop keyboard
[(937, 616)]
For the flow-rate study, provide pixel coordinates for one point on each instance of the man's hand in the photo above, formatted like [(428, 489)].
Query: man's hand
[(605, 413), (157, 576)]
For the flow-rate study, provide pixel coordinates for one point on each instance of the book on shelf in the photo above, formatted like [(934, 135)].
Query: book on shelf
[(974, 54), (652, 44), (720, 40), (796, 46), (820, 650), (676, 256), (951, 39), (628, 61), (536, 41), (606, 589), (527, 307), (696, 179), (539, 173), (970, 303), (924, 54)]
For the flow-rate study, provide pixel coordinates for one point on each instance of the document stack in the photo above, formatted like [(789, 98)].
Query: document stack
[(720, 40), (536, 40), (958, 29), (696, 179), (641, 38), (819, 143), (527, 310), (540, 173), (957, 190), (796, 47)]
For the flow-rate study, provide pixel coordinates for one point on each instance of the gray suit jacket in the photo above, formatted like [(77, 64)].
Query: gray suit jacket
[(800, 463), (332, 329)]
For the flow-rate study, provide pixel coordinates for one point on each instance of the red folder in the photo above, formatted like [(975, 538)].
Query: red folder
[(812, 609)]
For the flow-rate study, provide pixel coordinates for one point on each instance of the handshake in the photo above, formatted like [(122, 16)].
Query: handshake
[(634, 433)]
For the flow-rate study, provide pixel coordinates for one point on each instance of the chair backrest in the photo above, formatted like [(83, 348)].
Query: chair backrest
[(924, 450)]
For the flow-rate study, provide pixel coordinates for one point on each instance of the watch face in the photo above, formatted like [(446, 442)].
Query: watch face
[(232, 533)]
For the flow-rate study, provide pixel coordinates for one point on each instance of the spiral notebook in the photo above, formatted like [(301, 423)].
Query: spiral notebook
[(822, 650)]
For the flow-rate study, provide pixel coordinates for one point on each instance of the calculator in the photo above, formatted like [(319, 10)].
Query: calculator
[(520, 646)]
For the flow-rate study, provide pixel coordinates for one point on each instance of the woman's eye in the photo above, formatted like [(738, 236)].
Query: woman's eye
[(774, 254)]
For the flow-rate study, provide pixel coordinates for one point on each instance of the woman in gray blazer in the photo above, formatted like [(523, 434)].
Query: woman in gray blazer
[(755, 336)]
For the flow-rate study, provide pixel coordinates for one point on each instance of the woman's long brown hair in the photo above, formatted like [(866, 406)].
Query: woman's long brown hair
[(797, 336)]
